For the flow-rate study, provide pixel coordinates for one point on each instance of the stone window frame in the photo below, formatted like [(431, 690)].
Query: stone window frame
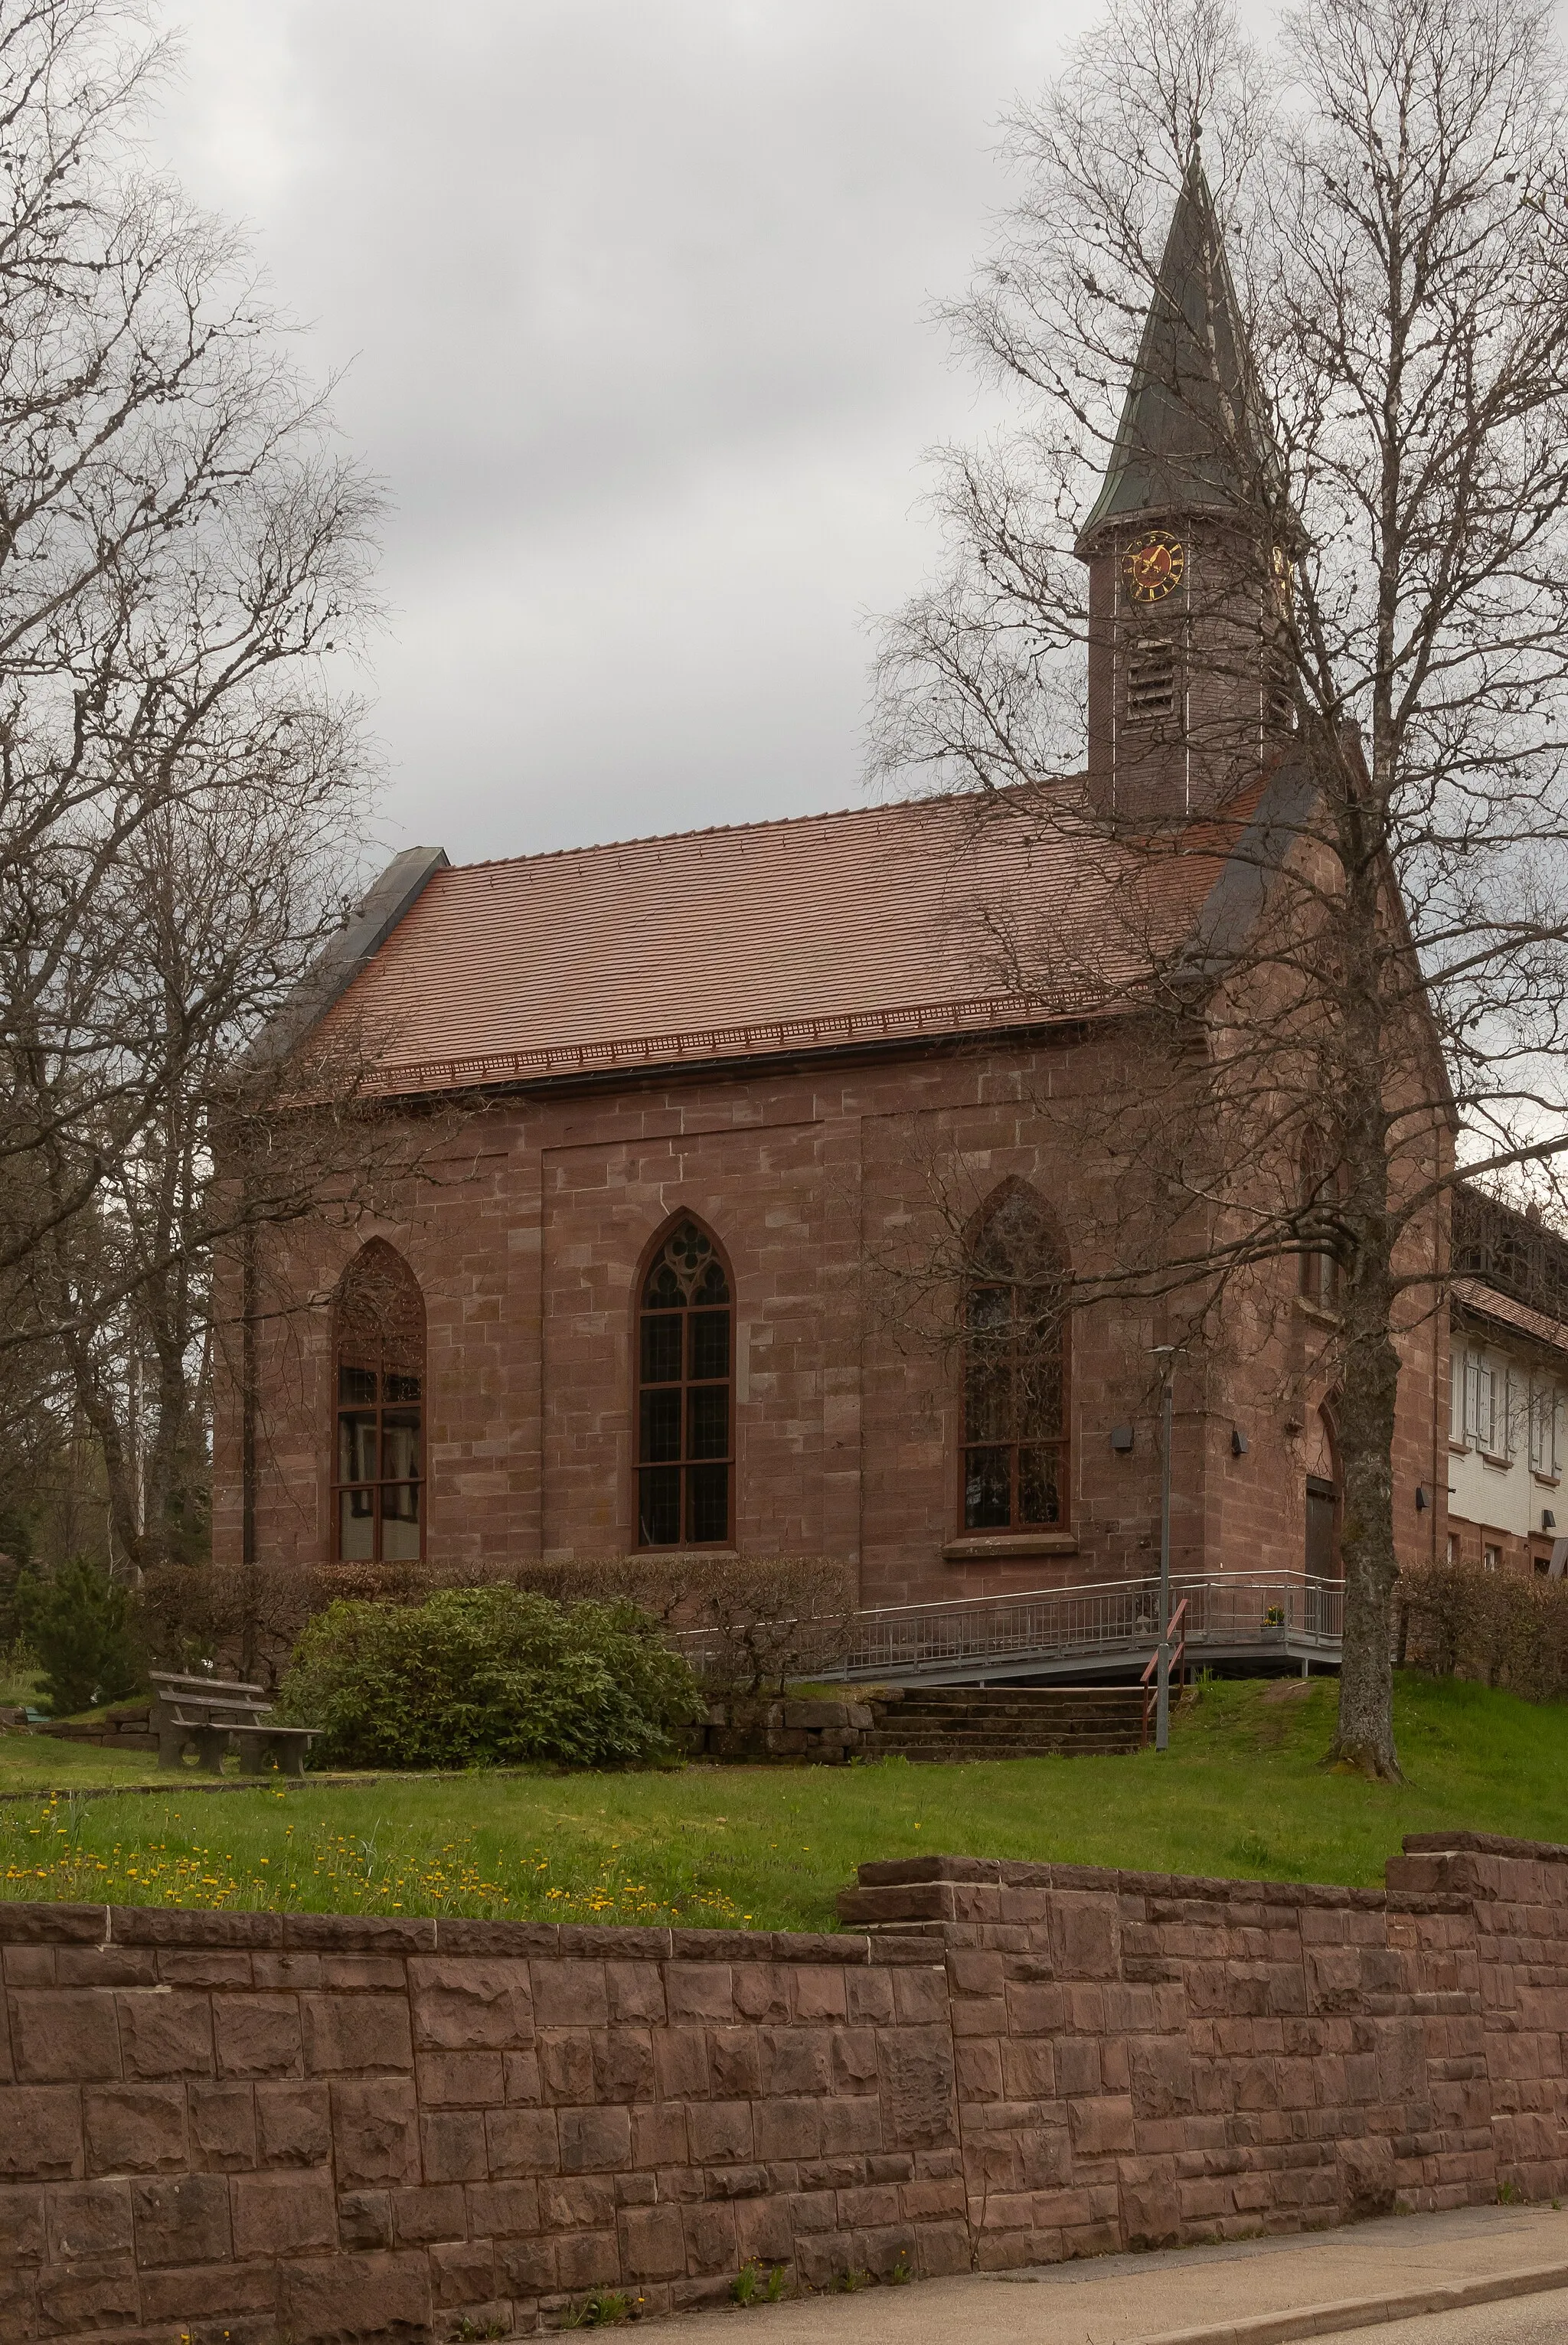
[(975, 1279), (401, 1277), (684, 1464)]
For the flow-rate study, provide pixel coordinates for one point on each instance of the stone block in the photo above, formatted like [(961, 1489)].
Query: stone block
[(468, 2005), (41, 2138), (595, 2141), (734, 2063), (462, 2272), (588, 2259), (181, 2220), (920, 2109), (460, 2079), (344, 2032), (565, 2056), (569, 1994), (796, 2060), (164, 2035), (375, 2133), (356, 2299), (438, 2212), (293, 2125), (720, 2132), (653, 2243), (76, 2301), (284, 2213), (659, 2135), (710, 2232), (257, 2036), (66, 2035), (135, 2129), (502, 2210), (89, 2219), (1102, 2128), (455, 2146), (680, 2062), (222, 2127), (699, 1991), (623, 2064), (522, 2142), (364, 2219)]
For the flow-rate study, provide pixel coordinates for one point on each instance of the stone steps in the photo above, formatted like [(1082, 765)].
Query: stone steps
[(957, 1723)]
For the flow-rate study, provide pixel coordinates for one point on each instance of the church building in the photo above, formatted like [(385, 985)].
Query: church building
[(712, 1105)]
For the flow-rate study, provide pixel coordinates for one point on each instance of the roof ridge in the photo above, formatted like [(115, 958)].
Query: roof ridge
[(762, 822)]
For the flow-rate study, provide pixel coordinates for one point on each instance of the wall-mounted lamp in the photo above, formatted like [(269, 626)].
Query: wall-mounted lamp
[(1422, 1501), (1238, 1442), (1548, 1519), (1121, 1439)]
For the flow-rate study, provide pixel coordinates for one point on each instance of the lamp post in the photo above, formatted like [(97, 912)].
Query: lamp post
[(1165, 1355)]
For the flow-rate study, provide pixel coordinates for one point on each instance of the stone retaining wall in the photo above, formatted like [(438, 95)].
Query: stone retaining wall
[(336, 2129)]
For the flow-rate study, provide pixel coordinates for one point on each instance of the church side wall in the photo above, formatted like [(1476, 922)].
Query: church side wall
[(828, 1185)]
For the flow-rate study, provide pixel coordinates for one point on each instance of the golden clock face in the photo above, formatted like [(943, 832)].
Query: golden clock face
[(1152, 566)]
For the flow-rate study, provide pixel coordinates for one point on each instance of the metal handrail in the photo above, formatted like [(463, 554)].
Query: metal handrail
[(1102, 1618), (1152, 1692)]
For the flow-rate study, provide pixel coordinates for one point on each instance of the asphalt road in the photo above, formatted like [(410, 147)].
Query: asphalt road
[(1523, 2321)]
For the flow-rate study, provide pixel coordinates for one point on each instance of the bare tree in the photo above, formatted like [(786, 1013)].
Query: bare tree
[(1300, 320), (182, 550)]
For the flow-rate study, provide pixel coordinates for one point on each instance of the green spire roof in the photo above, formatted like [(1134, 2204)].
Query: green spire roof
[(1191, 415)]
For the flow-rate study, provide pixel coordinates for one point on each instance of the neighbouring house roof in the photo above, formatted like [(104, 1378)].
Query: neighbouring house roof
[(1483, 1302), (1506, 1258), (935, 917)]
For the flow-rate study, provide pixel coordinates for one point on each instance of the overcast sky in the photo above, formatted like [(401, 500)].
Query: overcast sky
[(632, 294)]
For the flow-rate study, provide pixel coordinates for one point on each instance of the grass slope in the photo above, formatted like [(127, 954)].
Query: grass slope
[(1240, 1795)]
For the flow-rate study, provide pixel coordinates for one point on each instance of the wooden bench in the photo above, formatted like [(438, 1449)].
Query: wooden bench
[(208, 1711)]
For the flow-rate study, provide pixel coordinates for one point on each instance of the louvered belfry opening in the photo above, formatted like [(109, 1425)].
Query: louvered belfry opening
[(685, 1412), (378, 1466), (1015, 1436)]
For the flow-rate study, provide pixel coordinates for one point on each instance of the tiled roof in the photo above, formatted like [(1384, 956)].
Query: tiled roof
[(1486, 1303), (930, 917)]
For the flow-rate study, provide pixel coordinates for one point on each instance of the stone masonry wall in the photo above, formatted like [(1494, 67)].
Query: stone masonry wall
[(342, 2130)]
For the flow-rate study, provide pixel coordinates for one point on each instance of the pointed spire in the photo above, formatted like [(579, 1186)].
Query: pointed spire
[(1190, 406)]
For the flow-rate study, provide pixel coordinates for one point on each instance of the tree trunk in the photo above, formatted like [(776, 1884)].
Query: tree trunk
[(1365, 1735)]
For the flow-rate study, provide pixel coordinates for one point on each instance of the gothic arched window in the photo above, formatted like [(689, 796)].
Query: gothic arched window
[(686, 1420), (1321, 1184), (1014, 1371), (378, 1461)]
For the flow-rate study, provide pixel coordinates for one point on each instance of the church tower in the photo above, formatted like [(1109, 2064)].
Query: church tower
[(1188, 694)]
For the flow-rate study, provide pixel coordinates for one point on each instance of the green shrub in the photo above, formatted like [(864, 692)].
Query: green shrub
[(79, 1625), (486, 1676)]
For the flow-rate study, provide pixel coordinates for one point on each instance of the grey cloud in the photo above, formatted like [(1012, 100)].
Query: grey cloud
[(634, 299)]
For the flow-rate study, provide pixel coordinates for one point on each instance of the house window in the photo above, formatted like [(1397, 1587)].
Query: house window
[(1545, 1405), (379, 1441), (1451, 1550), (1014, 1474), (1491, 1557), (1480, 1402), (686, 1416), (1151, 679)]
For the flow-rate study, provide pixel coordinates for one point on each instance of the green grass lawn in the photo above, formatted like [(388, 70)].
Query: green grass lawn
[(1240, 1794)]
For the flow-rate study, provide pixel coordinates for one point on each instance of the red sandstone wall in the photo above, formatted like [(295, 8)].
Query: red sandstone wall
[(347, 2131), (525, 1238)]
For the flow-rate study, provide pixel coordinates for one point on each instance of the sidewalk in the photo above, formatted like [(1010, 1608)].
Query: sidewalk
[(1256, 2290)]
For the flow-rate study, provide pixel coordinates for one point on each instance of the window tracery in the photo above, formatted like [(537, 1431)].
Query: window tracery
[(685, 1401)]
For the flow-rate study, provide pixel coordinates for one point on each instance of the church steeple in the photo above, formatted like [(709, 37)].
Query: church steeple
[(1185, 697)]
